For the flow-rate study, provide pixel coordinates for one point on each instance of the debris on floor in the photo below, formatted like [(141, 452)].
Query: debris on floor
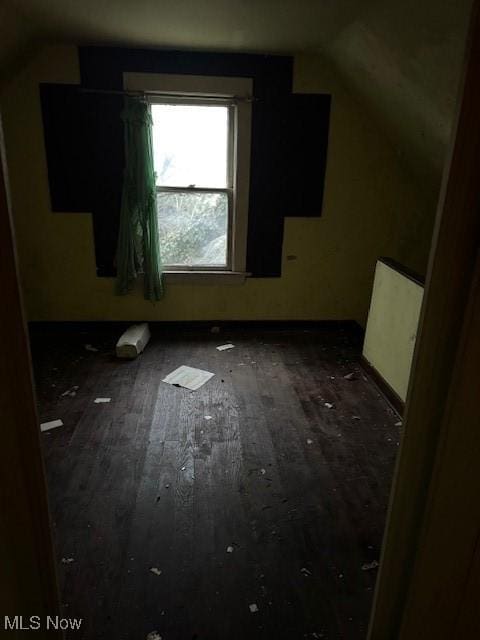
[(224, 347), (368, 566), (53, 424), (238, 444), (188, 377), (68, 560), (89, 347), (329, 405), (133, 341), (101, 400), (70, 392), (398, 424), (350, 376), (154, 635)]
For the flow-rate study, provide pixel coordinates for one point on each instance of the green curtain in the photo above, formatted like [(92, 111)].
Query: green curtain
[(138, 250)]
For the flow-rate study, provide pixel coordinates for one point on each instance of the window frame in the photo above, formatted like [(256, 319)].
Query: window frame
[(236, 92), (228, 190)]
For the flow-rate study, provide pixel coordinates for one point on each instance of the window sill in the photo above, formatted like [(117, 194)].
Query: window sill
[(205, 277)]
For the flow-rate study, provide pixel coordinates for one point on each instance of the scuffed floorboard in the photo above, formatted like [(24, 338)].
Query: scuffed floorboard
[(297, 489)]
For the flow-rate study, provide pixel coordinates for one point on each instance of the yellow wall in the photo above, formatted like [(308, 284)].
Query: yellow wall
[(392, 326), (371, 208)]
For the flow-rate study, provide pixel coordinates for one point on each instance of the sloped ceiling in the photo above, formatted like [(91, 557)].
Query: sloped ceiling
[(403, 58)]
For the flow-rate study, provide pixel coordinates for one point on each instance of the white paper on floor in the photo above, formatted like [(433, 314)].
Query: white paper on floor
[(188, 377), (101, 400), (224, 347), (70, 392), (53, 424)]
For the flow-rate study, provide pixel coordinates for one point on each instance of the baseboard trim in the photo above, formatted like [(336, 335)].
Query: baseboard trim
[(196, 325), (392, 396)]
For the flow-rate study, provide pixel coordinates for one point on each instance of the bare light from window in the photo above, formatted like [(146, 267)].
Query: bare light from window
[(190, 145), (190, 149)]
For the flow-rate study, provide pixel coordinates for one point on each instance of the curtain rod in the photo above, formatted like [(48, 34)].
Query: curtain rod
[(159, 94)]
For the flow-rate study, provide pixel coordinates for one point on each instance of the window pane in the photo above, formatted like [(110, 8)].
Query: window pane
[(193, 228), (190, 145)]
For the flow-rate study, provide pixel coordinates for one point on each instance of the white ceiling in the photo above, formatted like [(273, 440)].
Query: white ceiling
[(403, 57)]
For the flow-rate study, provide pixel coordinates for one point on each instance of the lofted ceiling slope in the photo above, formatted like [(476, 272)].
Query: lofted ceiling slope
[(403, 58)]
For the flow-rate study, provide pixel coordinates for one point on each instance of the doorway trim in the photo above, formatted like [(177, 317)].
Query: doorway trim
[(451, 294)]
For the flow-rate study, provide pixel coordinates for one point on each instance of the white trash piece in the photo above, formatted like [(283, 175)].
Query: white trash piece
[(188, 377), (101, 400), (225, 347), (70, 392), (53, 424), (133, 341)]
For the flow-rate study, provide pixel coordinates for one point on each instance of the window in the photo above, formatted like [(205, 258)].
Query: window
[(201, 149), (193, 163)]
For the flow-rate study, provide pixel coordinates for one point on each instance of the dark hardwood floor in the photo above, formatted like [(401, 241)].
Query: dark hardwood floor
[(297, 489)]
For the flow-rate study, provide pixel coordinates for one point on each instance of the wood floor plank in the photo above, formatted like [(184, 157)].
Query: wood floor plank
[(276, 500)]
